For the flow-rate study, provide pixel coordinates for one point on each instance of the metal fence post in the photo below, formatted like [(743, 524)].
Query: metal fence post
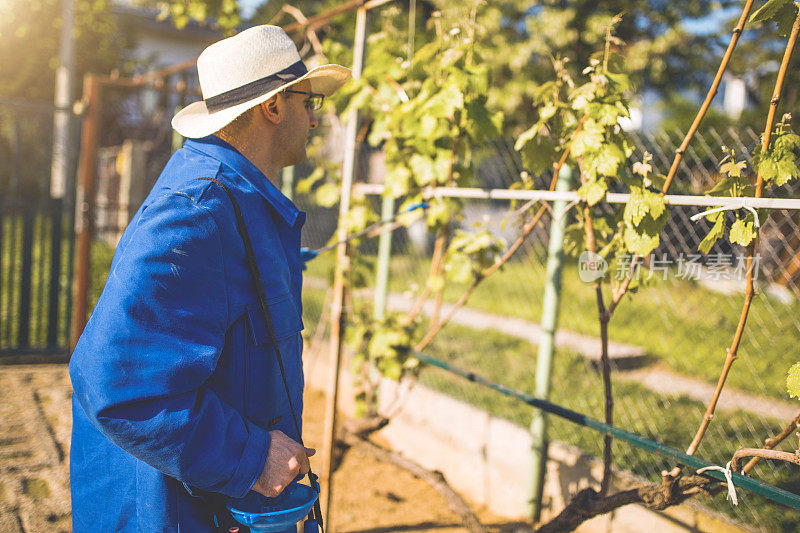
[(544, 360), (384, 257), (84, 205), (59, 176), (287, 182)]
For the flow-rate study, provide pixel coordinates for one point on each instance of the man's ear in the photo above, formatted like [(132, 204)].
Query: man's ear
[(271, 109)]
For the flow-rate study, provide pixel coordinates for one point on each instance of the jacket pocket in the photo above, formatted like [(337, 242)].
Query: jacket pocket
[(266, 402), (286, 320)]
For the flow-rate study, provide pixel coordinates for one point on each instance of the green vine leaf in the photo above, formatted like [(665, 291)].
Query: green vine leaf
[(469, 254), (574, 239), (358, 218), (589, 138), (539, 154), (783, 12), (445, 102), (793, 381), (306, 185), (607, 114), (716, 232), (787, 142), (327, 194), (527, 136), (742, 231), (777, 171), (642, 202), (781, 164), (640, 243), (397, 181), (733, 169), (605, 161), (441, 211), (732, 186), (423, 169), (593, 191), (642, 168)]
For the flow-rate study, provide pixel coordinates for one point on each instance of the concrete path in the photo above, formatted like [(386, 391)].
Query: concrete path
[(622, 356), (589, 347), (35, 425), (668, 384)]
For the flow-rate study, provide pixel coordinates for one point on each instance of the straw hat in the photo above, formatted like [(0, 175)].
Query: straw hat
[(245, 70)]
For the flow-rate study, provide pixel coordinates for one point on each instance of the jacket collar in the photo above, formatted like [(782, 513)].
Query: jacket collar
[(226, 154)]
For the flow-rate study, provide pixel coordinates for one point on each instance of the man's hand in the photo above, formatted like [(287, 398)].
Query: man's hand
[(285, 459)]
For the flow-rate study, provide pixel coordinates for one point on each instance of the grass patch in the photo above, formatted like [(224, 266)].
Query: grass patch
[(678, 322), (35, 488), (11, 262), (578, 386)]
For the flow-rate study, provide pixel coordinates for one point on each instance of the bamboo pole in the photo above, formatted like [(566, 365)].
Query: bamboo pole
[(712, 92), (732, 352), (342, 265)]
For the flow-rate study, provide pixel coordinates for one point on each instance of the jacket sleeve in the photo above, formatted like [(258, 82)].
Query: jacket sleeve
[(153, 339)]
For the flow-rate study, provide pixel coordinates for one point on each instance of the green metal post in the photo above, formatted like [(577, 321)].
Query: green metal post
[(287, 187), (544, 360), (384, 256)]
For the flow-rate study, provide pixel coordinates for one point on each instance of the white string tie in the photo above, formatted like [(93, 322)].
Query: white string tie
[(698, 216), (728, 478)]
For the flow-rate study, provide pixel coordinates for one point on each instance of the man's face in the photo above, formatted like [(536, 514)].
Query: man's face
[(299, 121)]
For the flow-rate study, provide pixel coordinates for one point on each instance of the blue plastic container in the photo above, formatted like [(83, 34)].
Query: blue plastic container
[(260, 513)]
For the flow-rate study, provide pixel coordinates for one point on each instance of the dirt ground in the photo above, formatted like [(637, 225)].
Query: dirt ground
[(35, 422)]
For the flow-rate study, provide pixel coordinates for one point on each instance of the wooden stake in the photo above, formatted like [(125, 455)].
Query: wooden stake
[(342, 266)]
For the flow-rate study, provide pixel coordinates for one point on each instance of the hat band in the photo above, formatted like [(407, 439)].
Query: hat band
[(256, 88)]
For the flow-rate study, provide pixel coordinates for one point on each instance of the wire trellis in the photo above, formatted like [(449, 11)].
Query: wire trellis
[(677, 326)]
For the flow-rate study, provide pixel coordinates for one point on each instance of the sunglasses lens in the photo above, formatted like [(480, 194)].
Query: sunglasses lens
[(315, 102)]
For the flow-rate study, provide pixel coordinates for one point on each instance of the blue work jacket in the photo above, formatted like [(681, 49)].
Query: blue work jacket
[(176, 382)]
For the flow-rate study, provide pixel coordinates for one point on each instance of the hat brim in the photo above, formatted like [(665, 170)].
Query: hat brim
[(195, 120)]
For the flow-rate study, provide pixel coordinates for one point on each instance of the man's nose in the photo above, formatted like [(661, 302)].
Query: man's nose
[(312, 118)]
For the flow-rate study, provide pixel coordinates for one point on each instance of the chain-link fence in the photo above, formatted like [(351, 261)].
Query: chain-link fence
[(669, 339)]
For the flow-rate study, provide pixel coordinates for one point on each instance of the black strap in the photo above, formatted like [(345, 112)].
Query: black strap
[(262, 299)]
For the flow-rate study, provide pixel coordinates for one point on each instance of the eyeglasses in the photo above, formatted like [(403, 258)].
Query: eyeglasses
[(314, 100)]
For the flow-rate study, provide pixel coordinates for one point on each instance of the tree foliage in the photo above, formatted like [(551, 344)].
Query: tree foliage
[(29, 44), (222, 15), (521, 41)]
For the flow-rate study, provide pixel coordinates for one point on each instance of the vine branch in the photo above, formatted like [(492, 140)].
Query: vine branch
[(774, 441), (588, 503), (529, 226), (591, 245), (438, 254), (712, 92), (701, 113), (310, 33), (749, 291), (789, 457)]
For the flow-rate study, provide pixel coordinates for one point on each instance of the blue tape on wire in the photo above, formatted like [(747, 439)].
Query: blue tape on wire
[(423, 205)]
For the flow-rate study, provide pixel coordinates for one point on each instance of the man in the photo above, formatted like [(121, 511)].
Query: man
[(179, 403)]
